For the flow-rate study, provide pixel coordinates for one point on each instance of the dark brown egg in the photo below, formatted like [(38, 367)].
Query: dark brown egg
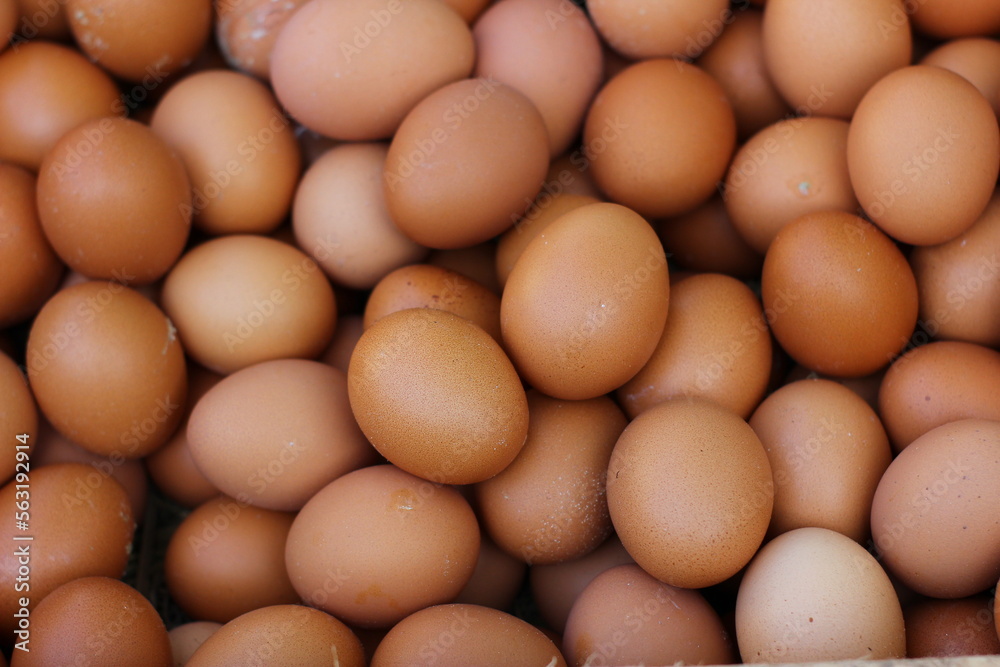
[(947, 628), (705, 240), (18, 417)]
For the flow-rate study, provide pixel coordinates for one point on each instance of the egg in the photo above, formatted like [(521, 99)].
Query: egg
[(716, 345), (923, 154), (470, 418), (659, 136), (96, 620), (107, 369), (187, 637), (345, 338), (338, 67), (586, 302), (464, 634), (839, 295), (945, 19), (675, 28), (946, 628), (465, 163), (704, 240), (275, 433), (475, 262), (497, 579), (933, 516), (378, 544), (625, 616), (975, 58), (690, 492), (18, 417), (813, 595), (246, 32)]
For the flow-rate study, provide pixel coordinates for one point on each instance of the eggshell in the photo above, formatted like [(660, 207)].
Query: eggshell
[(923, 154), (81, 525), (241, 300), (659, 136), (378, 544), (690, 492), (705, 240), (238, 147), (341, 220), (626, 617), (827, 451), (425, 286), (549, 504), (275, 433), (281, 636), (958, 282), (716, 345), (115, 201), (353, 70), (107, 369), (246, 32), (813, 594), (185, 639), (947, 19), (46, 90), (465, 163), (838, 294), (497, 579), (96, 620), (18, 416), (951, 628), (137, 42), (586, 303), (548, 50), (476, 262), (673, 28), (817, 72), (30, 269), (786, 170), (866, 387), (938, 383), (464, 634), (934, 513), (975, 58), (469, 419)]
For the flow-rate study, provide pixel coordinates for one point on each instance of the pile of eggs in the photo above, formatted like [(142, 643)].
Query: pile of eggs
[(524, 332)]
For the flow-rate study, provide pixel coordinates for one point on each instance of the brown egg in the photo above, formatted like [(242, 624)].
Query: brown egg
[(951, 628), (476, 262), (40, 18), (107, 369), (18, 418), (465, 163), (716, 345), (425, 286), (659, 136), (246, 32), (975, 58), (115, 201), (866, 387), (813, 595), (96, 620), (958, 282), (81, 525), (938, 383), (469, 419), (585, 304), (456, 635), (353, 70), (10, 16), (570, 173), (676, 28), (31, 270), (816, 71), (556, 587), (240, 300), (378, 544), (238, 147), (838, 294), (275, 433), (690, 492), (736, 61), (704, 239), (544, 210), (187, 638), (284, 635), (139, 42), (626, 617), (549, 505), (469, 10), (786, 170), (934, 513), (548, 50), (827, 450), (227, 558), (171, 467), (341, 220), (497, 579), (950, 19), (923, 153), (46, 90)]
